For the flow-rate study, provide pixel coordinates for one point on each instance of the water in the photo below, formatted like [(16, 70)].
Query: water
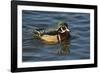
[(34, 50)]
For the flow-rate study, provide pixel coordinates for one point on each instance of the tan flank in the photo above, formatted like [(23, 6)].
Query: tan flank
[(49, 39)]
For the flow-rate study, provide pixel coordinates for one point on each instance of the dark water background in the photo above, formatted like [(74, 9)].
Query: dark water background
[(34, 50)]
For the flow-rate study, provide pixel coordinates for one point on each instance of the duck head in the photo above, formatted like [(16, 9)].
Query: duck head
[(63, 28)]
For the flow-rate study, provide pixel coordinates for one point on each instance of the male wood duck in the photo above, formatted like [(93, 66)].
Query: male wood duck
[(61, 36)]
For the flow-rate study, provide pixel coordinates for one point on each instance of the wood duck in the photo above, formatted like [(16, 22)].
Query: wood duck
[(61, 36)]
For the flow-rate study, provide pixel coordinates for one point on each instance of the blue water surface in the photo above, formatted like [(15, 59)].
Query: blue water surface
[(34, 50)]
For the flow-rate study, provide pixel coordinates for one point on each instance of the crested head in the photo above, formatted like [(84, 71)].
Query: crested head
[(63, 28), (62, 23)]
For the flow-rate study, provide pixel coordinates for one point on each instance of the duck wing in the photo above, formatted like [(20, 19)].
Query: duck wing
[(51, 33)]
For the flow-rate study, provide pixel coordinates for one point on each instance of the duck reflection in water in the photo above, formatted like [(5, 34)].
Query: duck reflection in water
[(60, 36)]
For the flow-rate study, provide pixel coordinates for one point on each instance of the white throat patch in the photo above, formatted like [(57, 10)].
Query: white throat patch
[(62, 31)]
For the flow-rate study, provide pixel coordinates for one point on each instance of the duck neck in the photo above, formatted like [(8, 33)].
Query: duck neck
[(59, 38)]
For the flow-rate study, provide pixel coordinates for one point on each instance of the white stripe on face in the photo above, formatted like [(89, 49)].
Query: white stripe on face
[(62, 31)]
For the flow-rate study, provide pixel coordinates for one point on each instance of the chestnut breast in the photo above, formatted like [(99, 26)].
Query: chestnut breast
[(64, 36)]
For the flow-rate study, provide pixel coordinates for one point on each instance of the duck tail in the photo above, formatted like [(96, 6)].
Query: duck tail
[(38, 33)]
